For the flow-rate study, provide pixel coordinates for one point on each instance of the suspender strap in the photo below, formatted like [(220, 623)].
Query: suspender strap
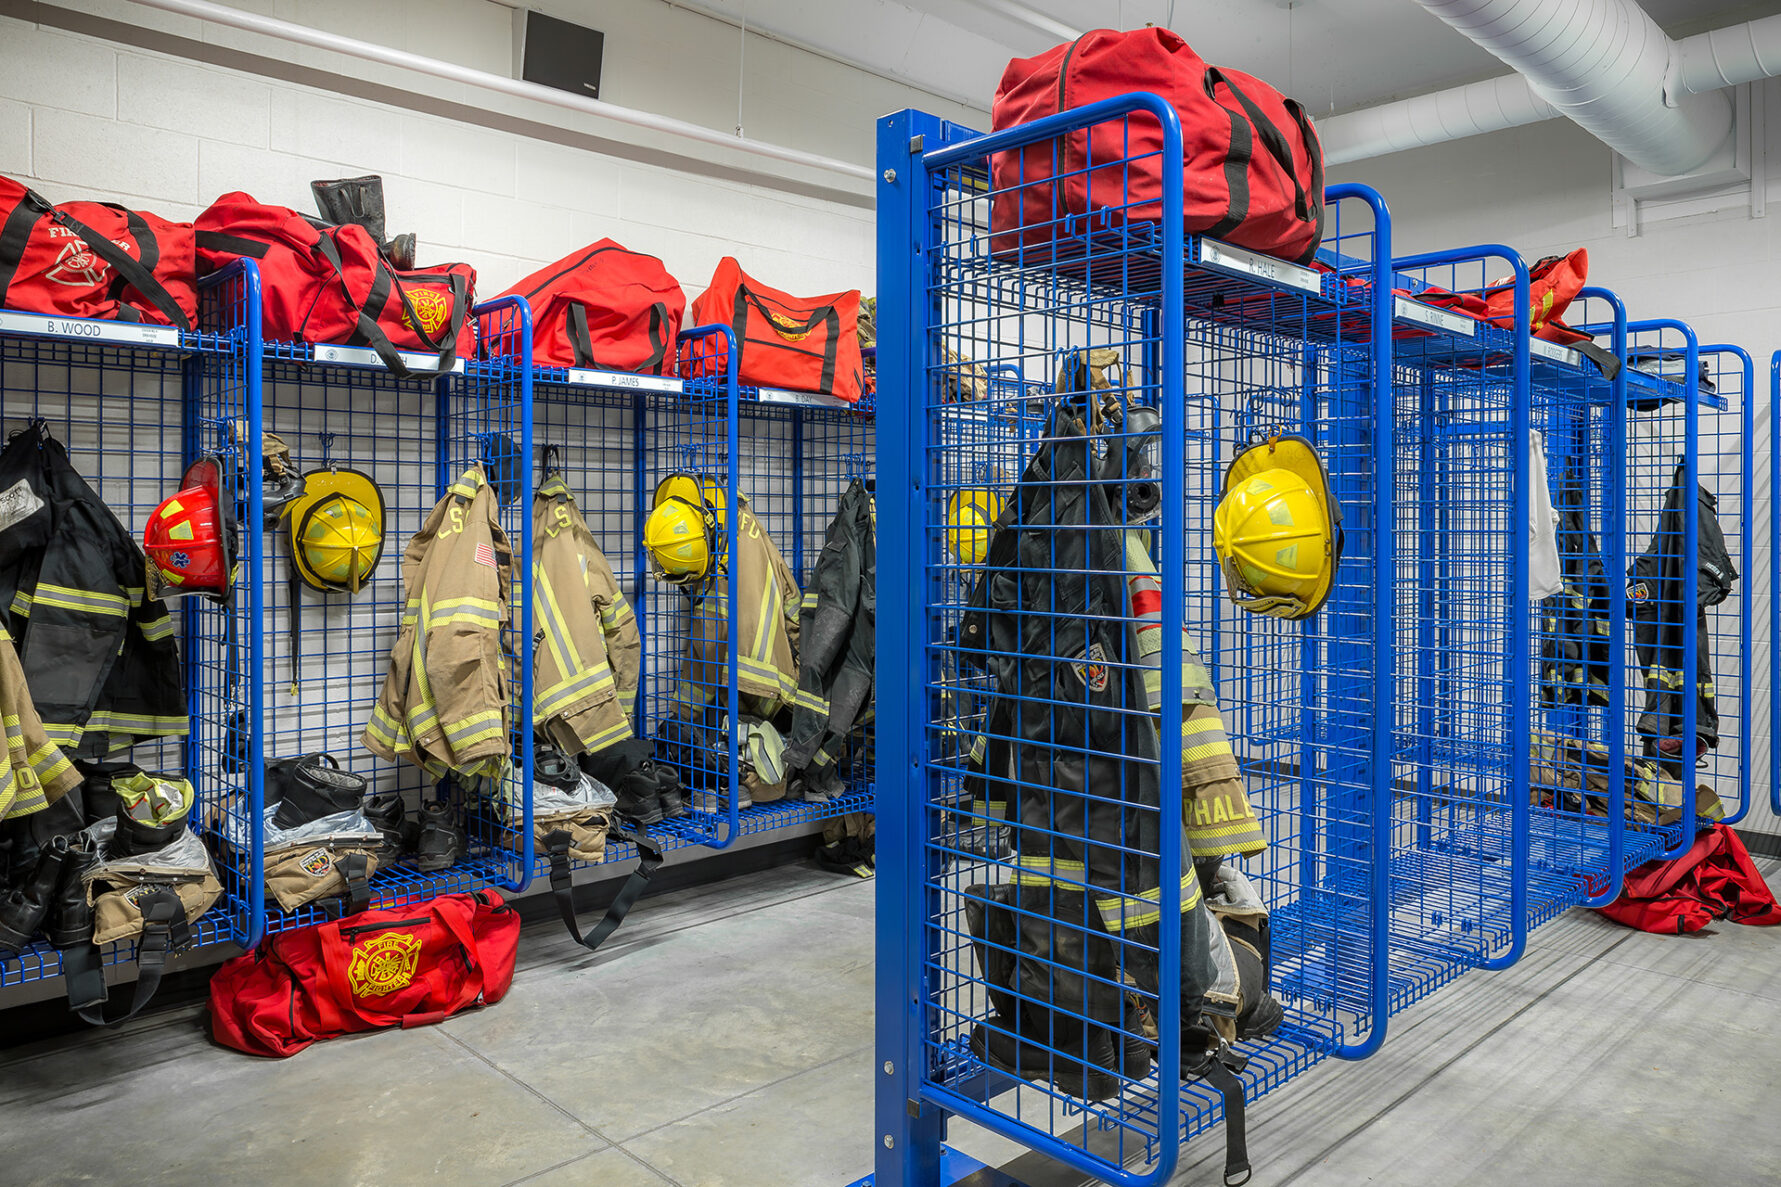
[(649, 855)]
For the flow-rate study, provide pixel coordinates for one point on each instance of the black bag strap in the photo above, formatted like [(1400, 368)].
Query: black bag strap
[(83, 976), (1220, 1070), (368, 328), (356, 869), (139, 277), (579, 341), (1308, 207), (649, 854), (164, 930), (1236, 172), (235, 245), (15, 235), (1313, 150), (582, 343), (828, 315)]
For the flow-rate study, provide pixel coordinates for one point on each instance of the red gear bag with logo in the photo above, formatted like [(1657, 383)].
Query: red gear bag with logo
[(408, 966), (1715, 879), (94, 259), (323, 283), (808, 344), (1252, 165), (604, 307)]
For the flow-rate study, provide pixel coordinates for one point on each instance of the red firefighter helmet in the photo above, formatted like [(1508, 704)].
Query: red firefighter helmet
[(191, 539)]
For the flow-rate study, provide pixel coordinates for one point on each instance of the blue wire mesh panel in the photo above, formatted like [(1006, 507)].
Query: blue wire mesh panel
[(590, 434), (1043, 797), (114, 395), (326, 654), (1458, 866), (1726, 433), (827, 445), (686, 708), (1576, 813), (1662, 458)]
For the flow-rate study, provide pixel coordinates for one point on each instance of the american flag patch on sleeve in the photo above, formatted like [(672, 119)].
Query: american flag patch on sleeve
[(485, 555)]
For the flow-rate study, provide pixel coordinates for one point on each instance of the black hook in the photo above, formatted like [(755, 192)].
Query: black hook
[(550, 460)]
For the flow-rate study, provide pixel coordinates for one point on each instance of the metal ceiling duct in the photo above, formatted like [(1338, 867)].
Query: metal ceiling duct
[(1603, 63)]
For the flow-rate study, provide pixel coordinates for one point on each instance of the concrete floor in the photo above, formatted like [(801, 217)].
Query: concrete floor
[(723, 1039)]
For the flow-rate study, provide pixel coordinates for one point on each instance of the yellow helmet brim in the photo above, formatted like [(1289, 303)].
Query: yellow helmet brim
[(319, 486)]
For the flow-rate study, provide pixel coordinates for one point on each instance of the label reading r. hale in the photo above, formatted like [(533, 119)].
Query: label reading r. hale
[(18, 503)]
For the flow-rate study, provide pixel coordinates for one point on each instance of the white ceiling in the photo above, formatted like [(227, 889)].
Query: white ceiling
[(1334, 55)]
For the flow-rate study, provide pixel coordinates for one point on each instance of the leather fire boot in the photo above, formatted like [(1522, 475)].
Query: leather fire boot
[(638, 798), (360, 200), (385, 810), (23, 910), (70, 914), (441, 843), (667, 783)]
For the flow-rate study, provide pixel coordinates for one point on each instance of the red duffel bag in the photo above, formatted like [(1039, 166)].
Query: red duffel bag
[(405, 967), (1715, 879), (94, 259), (324, 283), (604, 307), (808, 344), (1252, 165)]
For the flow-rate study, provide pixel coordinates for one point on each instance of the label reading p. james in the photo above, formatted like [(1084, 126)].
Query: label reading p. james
[(18, 503)]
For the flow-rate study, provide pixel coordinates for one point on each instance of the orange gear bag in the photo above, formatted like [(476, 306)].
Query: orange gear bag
[(808, 344)]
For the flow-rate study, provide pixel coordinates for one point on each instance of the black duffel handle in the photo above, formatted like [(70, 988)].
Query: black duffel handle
[(649, 854), (1307, 208)]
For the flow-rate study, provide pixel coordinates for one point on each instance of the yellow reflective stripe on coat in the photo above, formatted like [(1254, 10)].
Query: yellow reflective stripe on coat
[(84, 600), (552, 700), (1119, 912), (154, 632)]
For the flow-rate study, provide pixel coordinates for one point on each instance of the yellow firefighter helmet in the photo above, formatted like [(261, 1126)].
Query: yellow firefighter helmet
[(1278, 529), (970, 522), (686, 519)]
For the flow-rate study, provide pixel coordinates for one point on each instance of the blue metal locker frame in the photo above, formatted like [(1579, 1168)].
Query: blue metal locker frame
[(416, 435), (1648, 477), (1774, 591), (1347, 310), (1465, 722), (1733, 373), (122, 398)]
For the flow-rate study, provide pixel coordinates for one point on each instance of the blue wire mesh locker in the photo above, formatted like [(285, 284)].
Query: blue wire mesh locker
[(131, 404), (1033, 858), (1462, 889), (324, 668), (775, 463)]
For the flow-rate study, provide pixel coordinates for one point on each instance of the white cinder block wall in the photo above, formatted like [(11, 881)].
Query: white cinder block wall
[(1547, 188), (113, 116)]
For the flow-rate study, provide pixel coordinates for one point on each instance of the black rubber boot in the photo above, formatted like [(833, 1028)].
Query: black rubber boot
[(385, 810), (24, 909), (71, 915), (359, 200), (1088, 1074), (667, 785), (310, 788), (441, 843)]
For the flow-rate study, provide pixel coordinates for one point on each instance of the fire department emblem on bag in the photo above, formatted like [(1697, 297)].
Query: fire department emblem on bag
[(317, 863), (384, 964), (432, 307), (77, 266), (1094, 672), (788, 329)]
